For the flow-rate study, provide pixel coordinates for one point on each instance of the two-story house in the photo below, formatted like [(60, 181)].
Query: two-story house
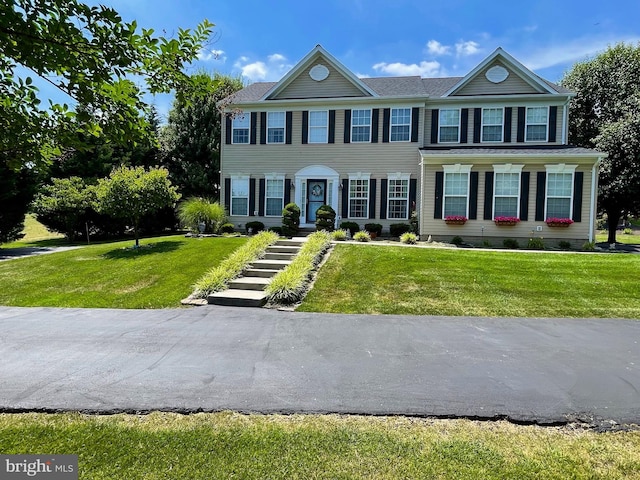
[(489, 145)]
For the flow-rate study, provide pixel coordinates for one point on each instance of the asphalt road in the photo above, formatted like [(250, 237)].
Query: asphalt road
[(256, 360)]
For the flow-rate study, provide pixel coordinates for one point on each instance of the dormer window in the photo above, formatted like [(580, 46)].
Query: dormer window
[(537, 121), (492, 121)]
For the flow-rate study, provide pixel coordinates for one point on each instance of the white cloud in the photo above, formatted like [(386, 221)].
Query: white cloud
[(464, 49), (423, 69), (206, 55), (273, 69), (434, 47), (276, 57)]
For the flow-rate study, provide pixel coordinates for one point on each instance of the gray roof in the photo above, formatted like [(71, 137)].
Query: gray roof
[(510, 150), (395, 86)]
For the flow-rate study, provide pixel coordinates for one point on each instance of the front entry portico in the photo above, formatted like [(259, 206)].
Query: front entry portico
[(315, 185)]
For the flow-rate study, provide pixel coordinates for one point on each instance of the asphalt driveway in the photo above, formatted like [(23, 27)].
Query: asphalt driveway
[(256, 360)]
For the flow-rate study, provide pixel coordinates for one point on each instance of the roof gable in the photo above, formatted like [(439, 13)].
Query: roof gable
[(307, 80)]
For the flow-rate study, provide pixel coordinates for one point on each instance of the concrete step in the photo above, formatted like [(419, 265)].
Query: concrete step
[(249, 283), (238, 298), (291, 242), (270, 264), (260, 272), (279, 256), (283, 249)]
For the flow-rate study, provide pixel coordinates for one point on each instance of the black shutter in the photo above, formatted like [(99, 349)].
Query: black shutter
[(252, 196), (540, 192), (507, 124), (439, 194), (578, 182), (524, 196), (488, 196), (347, 126), (263, 128), (435, 115), (386, 120), (227, 129), (287, 191), (413, 192), (261, 193), (254, 126), (415, 119), (332, 126), (345, 198), (473, 194), (477, 124), (383, 199), (553, 118), (305, 126), (522, 118), (464, 125), (372, 198), (227, 195), (288, 126), (375, 121)]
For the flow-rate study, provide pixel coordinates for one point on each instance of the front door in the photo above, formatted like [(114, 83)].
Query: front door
[(316, 197)]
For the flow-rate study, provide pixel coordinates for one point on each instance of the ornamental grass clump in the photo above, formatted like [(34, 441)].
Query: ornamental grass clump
[(290, 285), (362, 236), (339, 235), (219, 277), (409, 238)]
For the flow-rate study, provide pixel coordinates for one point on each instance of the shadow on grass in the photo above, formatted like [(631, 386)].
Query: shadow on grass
[(143, 250)]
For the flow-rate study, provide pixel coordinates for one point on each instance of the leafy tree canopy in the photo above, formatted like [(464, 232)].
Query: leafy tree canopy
[(605, 115)]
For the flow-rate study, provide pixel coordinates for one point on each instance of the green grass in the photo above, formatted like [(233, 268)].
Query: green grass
[(113, 275), (621, 237), (428, 281), (35, 234), (227, 445)]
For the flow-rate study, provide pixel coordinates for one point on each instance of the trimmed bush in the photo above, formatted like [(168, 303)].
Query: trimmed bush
[(457, 240), (535, 243), (325, 218), (409, 238), (362, 236), (564, 245), (353, 227), (196, 211), (290, 219), (277, 230), (511, 243), (397, 229), (589, 246), (227, 228), (256, 227), (339, 235), (375, 228)]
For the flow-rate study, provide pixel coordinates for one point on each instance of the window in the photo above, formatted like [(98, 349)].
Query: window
[(318, 127), (536, 127), (360, 125), (449, 131), (359, 196), (506, 191), (400, 125), (559, 198), (275, 127), (240, 196), (398, 197), (274, 196), (240, 128), (456, 190), (492, 124)]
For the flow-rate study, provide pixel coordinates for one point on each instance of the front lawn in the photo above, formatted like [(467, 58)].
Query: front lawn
[(228, 445), (427, 281), (621, 237), (113, 275)]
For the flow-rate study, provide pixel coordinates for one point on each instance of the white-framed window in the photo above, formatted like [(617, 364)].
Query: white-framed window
[(240, 126), (537, 124), (492, 121), (398, 196), (359, 195), (318, 126), (275, 127), (449, 125), (274, 195), (506, 190), (240, 195), (400, 125), (559, 191), (361, 125), (456, 190)]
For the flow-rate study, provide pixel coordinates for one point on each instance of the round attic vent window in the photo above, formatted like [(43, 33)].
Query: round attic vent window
[(319, 72), (497, 74)]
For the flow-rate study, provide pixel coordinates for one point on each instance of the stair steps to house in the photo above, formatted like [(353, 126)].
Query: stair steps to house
[(279, 256), (238, 298), (249, 283), (260, 272), (270, 264)]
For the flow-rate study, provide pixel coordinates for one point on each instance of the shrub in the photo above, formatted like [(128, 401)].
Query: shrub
[(362, 236), (627, 231), (457, 240), (375, 228), (564, 245), (227, 228), (256, 227), (339, 235), (196, 211), (511, 243), (589, 246), (397, 229), (325, 218), (290, 219), (486, 243), (535, 243), (277, 230), (409, 238), (353, 227), (413, 221)]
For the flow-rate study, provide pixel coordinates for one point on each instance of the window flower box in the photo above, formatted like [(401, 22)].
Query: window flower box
[(558, 222), (455, 220), (506, 221)]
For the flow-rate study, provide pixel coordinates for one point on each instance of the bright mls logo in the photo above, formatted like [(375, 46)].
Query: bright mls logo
[(50, 467)]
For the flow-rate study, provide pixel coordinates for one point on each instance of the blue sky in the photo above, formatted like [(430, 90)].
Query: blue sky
[(261, 40)]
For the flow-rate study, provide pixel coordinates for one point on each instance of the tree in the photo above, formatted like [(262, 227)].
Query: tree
[(17, 187), (132, 193), (605, 115), (191, 140)]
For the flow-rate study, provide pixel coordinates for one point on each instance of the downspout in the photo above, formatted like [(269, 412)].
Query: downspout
[(593, 206), (419, 201), (565, 121)]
